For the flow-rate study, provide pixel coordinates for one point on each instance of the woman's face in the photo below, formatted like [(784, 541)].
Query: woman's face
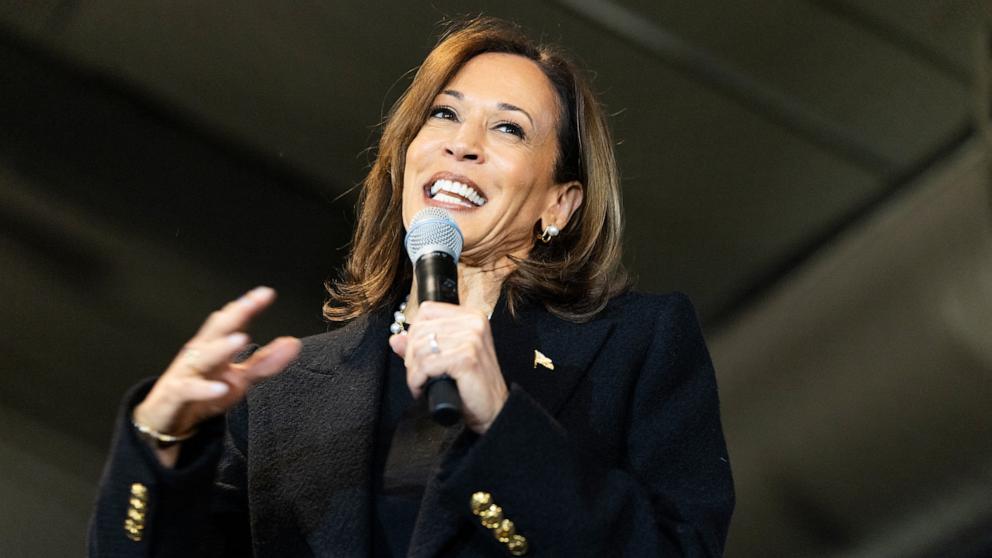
[(486, 154)]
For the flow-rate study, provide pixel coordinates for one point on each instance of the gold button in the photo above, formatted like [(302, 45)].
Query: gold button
[(517, 545), (132, 529), (504, 531), (137, 504), (481, 501), (139, 490), (491, 516), (136, 515)]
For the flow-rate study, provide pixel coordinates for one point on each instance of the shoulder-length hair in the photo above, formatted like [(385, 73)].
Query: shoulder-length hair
[(574, 275)]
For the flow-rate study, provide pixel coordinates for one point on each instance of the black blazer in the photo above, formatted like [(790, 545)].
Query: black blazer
[(617, 451)]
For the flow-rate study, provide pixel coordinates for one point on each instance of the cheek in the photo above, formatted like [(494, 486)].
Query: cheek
[(411, 157), (528, 184), (418, 158), (408, 196), (413, 160)]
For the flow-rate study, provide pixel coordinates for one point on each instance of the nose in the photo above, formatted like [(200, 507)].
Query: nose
[(466, 144)]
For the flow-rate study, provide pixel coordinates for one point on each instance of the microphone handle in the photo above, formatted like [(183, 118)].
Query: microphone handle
[(437, 280)]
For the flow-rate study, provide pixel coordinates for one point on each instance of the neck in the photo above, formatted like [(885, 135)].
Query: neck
[(478, 288)]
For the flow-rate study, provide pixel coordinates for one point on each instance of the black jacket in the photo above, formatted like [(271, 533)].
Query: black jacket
[(617, 451)]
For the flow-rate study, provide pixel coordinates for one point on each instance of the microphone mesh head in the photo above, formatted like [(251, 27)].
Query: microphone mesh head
[(433, 230)]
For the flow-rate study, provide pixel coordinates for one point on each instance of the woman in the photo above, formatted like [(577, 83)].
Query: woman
[(591, 423)]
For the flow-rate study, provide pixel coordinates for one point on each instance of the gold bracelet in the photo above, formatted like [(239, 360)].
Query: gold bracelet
[(158, 439)]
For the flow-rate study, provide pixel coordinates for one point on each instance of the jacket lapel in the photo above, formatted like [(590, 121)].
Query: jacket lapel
[(570, 347), (335, 510)]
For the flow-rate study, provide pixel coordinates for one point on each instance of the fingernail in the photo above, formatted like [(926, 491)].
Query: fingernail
[(249, 298), (237, 339), (220, 388), (261, 291)]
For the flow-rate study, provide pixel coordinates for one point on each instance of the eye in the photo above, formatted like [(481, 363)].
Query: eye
[(511, 128), (444, 113)]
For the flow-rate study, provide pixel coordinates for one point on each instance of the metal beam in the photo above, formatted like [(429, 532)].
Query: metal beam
[(750, 93), (892, 34)]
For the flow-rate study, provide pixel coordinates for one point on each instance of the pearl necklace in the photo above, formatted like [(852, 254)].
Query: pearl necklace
[(399, 319)]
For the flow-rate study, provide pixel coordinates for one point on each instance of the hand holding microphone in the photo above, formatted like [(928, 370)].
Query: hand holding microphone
[(448, 343), (434, 244)]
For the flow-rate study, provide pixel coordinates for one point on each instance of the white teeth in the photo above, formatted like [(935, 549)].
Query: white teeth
[(451, 199), (453, 187)]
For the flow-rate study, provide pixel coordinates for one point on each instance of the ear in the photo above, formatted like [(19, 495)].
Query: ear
[(565, 200)]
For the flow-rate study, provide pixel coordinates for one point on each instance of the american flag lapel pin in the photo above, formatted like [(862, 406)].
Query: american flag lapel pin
[(540, 358)]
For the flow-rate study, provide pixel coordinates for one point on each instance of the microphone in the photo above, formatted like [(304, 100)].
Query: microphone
[(434, 244)]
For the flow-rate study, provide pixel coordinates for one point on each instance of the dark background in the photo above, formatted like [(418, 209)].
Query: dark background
[(813, 173)]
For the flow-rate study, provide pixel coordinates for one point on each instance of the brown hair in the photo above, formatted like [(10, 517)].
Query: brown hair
[(576, 274)]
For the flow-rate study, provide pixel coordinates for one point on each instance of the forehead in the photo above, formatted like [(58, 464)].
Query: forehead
[(494, 78)]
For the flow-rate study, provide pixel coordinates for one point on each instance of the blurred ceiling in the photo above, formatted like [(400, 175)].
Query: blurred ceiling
[(158, 158)]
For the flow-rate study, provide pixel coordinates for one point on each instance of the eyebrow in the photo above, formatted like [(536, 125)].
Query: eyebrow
[(501, 106)]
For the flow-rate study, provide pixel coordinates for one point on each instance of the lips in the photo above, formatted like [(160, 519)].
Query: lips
[(454, 190)]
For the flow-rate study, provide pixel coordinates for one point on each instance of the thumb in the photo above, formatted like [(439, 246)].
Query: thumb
[(398, 344)]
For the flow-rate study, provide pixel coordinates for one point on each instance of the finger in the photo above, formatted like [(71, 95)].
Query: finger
[(398, 343), (413, 341), (423, 363), (421, 347), (415, 381), (199, 389), (270, 359), (430, 310), (203, 358), (455, 362), (427, 347), (447, 322), (235, 315)]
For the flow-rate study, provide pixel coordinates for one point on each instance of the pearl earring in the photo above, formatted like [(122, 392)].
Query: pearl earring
[(550, 232)]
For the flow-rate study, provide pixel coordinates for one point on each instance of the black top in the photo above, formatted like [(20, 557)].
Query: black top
[(408, 447)]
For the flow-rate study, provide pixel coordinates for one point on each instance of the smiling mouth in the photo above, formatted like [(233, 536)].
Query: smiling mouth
[(447, 191)]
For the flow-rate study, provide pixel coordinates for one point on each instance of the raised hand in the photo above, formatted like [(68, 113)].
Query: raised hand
[(202, 381)]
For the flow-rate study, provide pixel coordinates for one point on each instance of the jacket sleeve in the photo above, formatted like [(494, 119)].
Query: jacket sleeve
[(199, 508), (670, 495)]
